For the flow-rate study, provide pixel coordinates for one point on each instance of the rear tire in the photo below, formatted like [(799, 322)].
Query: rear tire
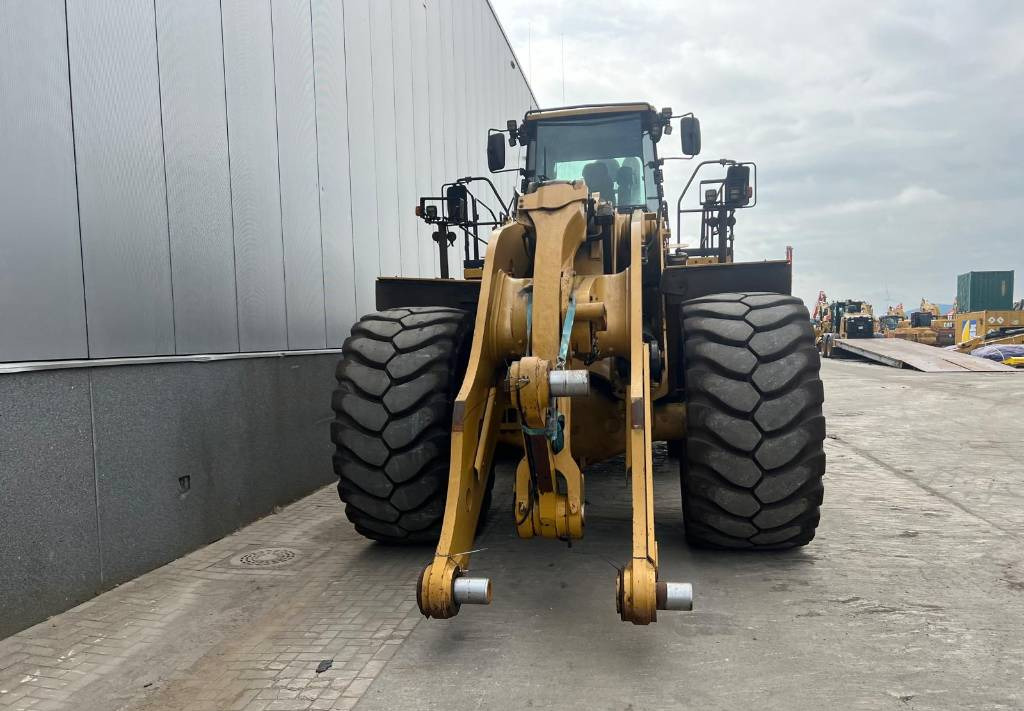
[(397, 380), (754, 460)]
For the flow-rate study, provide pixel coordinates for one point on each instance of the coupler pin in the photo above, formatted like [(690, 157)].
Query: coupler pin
[(471, 591)]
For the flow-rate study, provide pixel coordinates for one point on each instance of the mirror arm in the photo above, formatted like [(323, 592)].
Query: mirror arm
[(754, 166), (679, 202), (471, 178), (487, 207)]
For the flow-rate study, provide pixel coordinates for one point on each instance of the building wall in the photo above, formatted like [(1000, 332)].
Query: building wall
[(109, 472), (207, 176), (204, 177)]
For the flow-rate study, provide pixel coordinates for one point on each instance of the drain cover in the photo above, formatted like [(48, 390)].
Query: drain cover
[(265, 558)]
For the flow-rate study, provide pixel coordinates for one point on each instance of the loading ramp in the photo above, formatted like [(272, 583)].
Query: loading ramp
[(900, 353)]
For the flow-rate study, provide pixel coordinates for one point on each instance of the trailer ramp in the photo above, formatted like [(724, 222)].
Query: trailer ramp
[(899, 353)]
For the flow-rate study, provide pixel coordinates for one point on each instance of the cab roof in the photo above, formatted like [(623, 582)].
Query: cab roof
[(586, 110)]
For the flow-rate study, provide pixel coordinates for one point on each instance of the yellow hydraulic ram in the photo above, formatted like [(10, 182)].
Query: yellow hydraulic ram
[(539, 311)]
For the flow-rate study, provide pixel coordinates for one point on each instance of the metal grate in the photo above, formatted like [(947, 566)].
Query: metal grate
[(265, 558)]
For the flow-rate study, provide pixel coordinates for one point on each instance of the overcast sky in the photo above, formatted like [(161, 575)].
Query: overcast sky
[(888, 135)]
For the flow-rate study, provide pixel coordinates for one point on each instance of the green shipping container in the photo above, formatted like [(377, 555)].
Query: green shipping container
[(984, 291)]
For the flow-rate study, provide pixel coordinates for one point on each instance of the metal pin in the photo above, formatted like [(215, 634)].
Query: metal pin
[(472, 591), (674, 596), (569, 383)]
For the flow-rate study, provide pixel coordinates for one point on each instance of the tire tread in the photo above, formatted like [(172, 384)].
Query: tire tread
[(397, 380), (752, 478)]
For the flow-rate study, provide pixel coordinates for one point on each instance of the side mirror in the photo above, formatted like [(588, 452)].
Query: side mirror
[(456, 197), (495, 152), (689, 130), (737, 192)]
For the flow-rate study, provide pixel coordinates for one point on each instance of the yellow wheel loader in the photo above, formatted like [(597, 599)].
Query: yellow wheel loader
[(583, 332)]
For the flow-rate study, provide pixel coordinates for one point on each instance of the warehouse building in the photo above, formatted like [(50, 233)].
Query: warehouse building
[(195, 199)]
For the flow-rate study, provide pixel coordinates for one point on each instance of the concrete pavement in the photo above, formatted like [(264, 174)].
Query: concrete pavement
[(911, 596)]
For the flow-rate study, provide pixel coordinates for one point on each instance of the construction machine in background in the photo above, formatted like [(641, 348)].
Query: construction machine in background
[(820, 318), (927, 307), (892, 319), (978, 326), (942, 326), (586, 331), (999, 329), (841, 319), (917, 326), (852, 319)]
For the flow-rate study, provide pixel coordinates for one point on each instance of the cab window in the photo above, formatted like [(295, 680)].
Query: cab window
[(608, 152)]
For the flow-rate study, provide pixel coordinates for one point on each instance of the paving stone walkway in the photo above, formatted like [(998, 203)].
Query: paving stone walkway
[(221, 630)]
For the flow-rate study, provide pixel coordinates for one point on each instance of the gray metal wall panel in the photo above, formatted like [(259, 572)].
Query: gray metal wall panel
[(42, 313), (452, 103), (501, 104), (491, 115), (472, 86), (436, 82), (504, 106), (122, 197), (333, 157), (507, 105), (198, 177), (384, 150), (405, 136), (478, 93), (300, 182), (461, 90), (407, 91), (422, 136), (255, 196), (362, 168)]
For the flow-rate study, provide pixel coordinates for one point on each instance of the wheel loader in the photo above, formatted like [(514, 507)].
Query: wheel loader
[(853, 319), (585, 331)]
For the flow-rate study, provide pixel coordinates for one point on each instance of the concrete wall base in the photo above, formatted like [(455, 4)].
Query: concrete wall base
[(109, 472)]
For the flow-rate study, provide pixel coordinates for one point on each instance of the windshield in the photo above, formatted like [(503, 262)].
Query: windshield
[(609, 152)]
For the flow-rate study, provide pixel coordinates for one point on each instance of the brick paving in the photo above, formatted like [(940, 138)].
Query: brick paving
[(205, 633)]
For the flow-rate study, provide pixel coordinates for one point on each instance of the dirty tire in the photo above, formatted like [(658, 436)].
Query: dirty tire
[(754, 460), (397, 379)]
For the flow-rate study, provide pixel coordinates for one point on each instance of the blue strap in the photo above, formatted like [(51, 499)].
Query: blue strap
[(554, 431), (529, 319), (570, 316), (553, 428)]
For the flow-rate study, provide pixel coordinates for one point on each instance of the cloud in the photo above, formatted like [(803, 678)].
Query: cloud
[(910, 195), (886, 135)]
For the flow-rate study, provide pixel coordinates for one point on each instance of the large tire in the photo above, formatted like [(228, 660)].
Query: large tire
[(754, 460), (397, 381)]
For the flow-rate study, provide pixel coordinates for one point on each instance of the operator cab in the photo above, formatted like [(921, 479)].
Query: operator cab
[(611, 148)]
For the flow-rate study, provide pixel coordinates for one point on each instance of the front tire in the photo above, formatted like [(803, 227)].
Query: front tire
[(752, 475), (397, 380)]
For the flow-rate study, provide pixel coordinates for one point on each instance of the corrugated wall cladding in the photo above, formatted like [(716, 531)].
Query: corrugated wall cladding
[(196, 176)]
